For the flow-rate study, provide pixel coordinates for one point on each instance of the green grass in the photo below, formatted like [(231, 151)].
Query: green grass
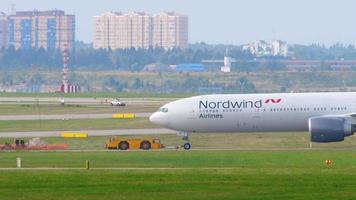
[(221, 141), (286, 173), (265, 81), (267, 160), (232, 175), (46, 109), (74, 124)]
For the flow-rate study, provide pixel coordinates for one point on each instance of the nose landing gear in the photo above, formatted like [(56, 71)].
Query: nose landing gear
[(185, 138), (187, 146)]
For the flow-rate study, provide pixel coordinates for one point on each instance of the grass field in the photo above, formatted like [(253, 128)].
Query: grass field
[(221, 141), (46, 109), (74, 124), (280, 167), (183, 175)]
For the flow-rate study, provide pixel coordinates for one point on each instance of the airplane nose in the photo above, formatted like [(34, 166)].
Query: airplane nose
[(154, 118), (157, 118)]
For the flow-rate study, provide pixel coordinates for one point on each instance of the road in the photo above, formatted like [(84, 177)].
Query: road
[(64, 116), (90, 133)]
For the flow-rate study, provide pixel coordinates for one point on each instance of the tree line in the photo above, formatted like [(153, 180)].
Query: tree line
[(121, 59), (85, 57)]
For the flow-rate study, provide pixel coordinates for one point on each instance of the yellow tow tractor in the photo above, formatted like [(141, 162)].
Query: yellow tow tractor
[(133, 143)]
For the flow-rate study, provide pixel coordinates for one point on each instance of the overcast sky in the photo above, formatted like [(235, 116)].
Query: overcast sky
[(226, 21)]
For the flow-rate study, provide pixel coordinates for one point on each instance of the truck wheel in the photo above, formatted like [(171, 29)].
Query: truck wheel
[(123, 145), (146, 145)]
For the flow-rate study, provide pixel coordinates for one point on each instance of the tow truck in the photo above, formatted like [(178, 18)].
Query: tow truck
[(118, 143)]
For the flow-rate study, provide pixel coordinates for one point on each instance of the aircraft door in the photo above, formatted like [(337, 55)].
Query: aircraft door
[(353, 107), (192, 113), (256, 120)]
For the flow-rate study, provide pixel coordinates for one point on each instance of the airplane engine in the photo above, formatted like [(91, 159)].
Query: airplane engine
[(329, 129)]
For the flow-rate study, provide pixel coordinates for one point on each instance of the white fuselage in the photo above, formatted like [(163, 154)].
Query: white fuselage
[(252, 112)]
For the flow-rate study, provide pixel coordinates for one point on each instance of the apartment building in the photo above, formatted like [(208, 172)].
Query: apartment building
[(170, 30), (116, 30), (3, 30), (40, 29)]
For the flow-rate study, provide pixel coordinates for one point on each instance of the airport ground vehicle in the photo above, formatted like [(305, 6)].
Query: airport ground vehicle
[(117, 102), (133, 143)]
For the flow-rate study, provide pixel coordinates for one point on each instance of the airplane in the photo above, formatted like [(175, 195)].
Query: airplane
[(329, 117)]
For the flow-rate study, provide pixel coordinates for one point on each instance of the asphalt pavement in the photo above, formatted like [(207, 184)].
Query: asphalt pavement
[(89, 132), (100, 101), (64, 116)]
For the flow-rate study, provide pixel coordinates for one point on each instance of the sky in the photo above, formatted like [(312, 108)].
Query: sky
[(225, 21)]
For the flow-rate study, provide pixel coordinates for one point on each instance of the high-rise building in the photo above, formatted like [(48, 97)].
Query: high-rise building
[(170, 30), (3, 30), (41, 29), (104, 30), (264, 48), (116, 30)]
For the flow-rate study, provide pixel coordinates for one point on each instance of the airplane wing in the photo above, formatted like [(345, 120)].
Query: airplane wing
[(341, 115), (352, 114), (349, 115)]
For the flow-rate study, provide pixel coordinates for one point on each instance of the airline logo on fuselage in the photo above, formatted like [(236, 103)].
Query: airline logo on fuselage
[(229, 104), (236, 104), (273, 100)]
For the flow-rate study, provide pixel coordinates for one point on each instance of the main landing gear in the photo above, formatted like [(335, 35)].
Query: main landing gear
[(185, 138)]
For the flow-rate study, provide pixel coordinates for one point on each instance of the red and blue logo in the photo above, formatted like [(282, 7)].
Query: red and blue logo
[(273, 101)]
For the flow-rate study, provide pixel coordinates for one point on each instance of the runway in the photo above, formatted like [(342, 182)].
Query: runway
[(90, 133), (67, 100), (64, 116)]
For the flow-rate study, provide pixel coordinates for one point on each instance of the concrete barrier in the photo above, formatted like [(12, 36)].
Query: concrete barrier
[(123, 116), (118, 116), (74, 135), (129, 115)]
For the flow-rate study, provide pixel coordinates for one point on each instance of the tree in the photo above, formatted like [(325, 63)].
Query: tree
[(137, 84)]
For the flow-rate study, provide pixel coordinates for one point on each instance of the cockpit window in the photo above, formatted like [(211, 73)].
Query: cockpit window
[(163, 110)]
